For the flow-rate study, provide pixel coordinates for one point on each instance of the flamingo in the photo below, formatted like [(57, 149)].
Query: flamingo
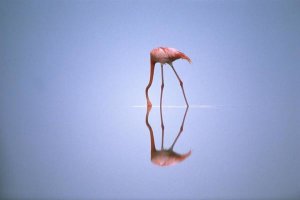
[(165, 157), (165, 55)]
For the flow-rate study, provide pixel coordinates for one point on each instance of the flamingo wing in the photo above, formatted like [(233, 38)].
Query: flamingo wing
[(174, 54)]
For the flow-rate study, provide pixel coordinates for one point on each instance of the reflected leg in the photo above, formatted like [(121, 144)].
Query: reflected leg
[(181, 128)]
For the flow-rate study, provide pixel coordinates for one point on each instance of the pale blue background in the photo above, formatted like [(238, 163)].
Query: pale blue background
[(71, 72)]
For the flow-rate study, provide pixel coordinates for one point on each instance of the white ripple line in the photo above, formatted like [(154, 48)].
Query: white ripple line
[(176, 106)]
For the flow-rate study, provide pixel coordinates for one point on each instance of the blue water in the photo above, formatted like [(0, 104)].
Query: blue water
[(72, 102)]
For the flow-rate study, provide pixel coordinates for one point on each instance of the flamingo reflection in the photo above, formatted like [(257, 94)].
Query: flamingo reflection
[(165, 157)]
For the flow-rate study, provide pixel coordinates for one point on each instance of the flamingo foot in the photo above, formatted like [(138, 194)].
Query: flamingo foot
[(149, 104)]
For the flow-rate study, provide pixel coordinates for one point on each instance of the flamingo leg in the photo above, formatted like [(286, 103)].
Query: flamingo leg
[(181, 85), (161, 117), (162, 85)]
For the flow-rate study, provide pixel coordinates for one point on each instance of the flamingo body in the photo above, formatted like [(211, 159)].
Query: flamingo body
[(165, 55)]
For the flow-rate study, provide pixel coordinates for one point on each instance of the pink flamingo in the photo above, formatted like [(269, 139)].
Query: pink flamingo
[(165, 157), (165, 55)]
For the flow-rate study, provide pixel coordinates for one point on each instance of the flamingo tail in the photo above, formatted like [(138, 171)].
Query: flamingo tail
[(183, 56)]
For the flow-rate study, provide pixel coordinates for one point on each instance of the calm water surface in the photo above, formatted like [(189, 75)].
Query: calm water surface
[(237, 152)]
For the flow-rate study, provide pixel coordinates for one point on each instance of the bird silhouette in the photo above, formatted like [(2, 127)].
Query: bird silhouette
[(165, 55)]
